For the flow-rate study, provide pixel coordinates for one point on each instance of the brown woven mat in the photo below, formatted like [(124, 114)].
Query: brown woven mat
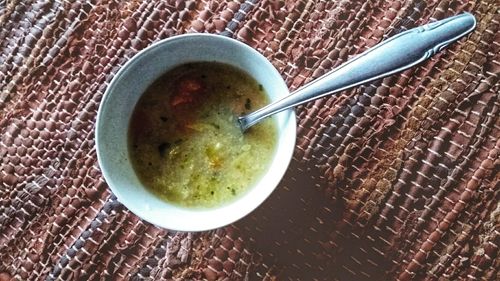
[(397, 179)]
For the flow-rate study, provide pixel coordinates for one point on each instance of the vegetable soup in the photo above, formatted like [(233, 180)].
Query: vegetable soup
[(184, 141)]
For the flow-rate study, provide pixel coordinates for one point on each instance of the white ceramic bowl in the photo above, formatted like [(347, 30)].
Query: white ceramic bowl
[(118, 104)]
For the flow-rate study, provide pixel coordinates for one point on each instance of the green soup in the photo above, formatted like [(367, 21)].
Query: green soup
[(184, 141)]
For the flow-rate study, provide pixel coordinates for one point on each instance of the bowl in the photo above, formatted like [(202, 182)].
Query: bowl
[(122, 95)]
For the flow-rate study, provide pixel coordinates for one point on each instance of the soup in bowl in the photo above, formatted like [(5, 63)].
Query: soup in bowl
[(167, 139)]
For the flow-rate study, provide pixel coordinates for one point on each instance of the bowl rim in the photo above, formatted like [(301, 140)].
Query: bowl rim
[(291, 122)]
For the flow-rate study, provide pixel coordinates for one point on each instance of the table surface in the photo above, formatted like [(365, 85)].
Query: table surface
[(396, 179)]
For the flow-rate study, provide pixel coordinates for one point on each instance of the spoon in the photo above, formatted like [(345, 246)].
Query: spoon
[(396, 54)]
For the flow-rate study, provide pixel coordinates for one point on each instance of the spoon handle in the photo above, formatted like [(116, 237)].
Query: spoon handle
[(390, 56)]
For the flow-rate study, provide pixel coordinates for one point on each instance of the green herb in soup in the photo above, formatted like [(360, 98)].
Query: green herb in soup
[(184, 141)]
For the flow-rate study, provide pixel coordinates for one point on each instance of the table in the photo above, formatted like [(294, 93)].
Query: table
[(394, 180)]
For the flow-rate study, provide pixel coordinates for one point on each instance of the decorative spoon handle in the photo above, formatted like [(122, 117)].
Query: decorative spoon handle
[(391, 56)]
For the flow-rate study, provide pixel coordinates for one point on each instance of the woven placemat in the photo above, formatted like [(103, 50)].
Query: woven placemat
[(393, 180)]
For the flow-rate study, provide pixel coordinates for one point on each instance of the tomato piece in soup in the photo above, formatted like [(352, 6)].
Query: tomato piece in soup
[(187, 91)]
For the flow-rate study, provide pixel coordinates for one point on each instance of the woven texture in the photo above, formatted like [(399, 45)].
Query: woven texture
[(394, 180)]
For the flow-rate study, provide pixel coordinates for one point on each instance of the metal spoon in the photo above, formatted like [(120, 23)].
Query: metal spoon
[(391, 56)]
